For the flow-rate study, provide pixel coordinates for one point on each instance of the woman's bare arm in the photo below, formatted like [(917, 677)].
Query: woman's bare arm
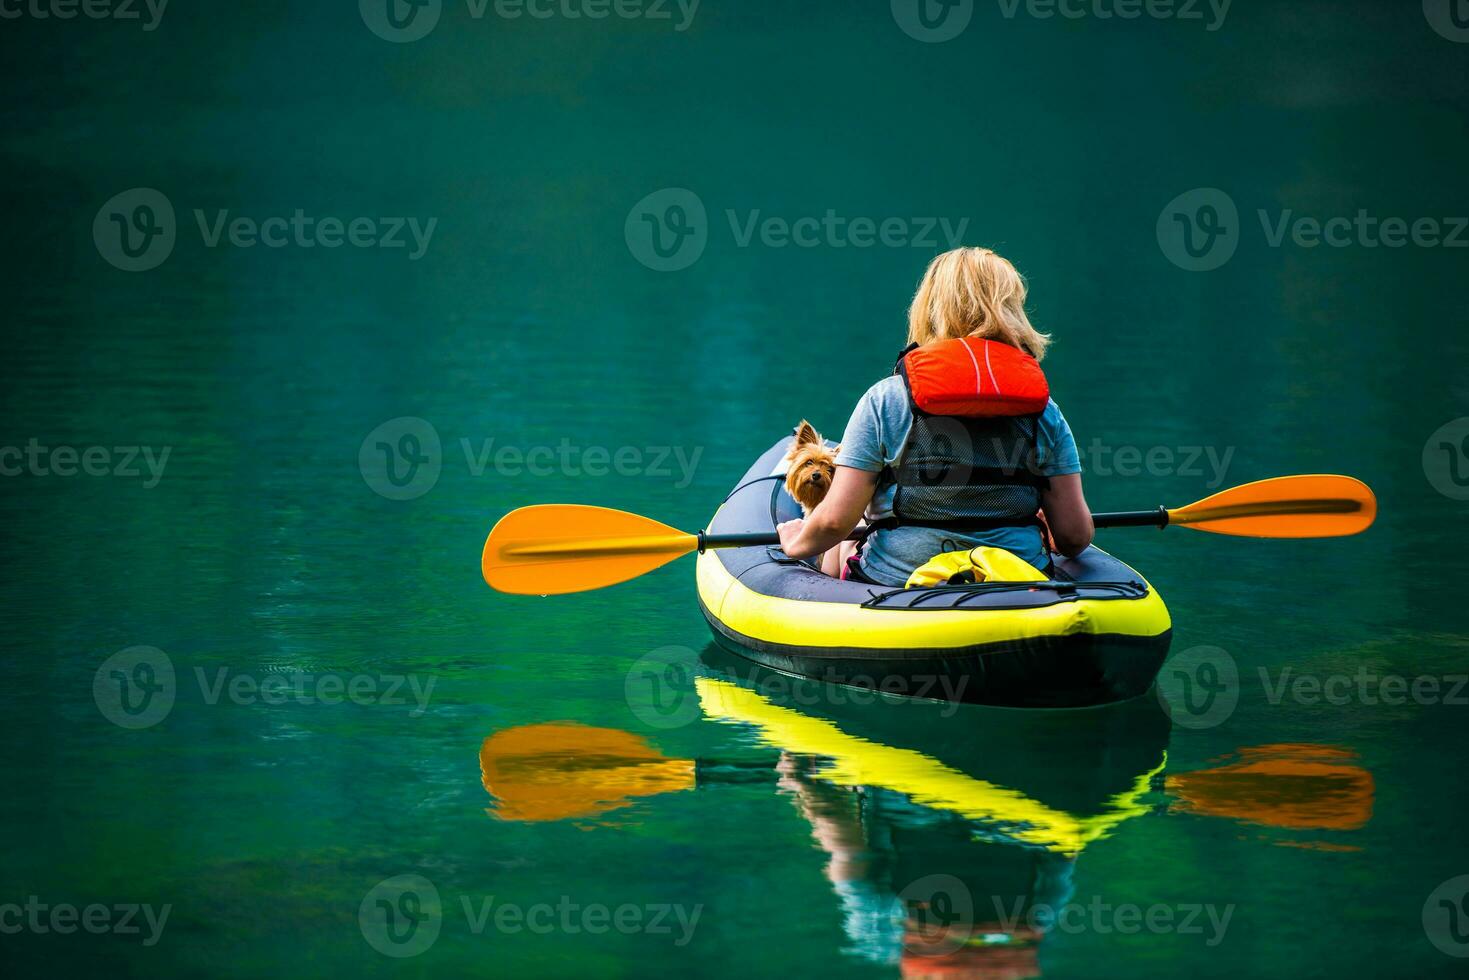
[(1068, 515), (834, 518)]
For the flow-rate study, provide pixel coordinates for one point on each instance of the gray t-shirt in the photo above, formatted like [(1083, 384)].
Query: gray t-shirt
[(874, 437)]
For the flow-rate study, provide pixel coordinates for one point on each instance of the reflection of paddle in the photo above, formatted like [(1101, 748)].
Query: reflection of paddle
[(563, 771), (566, 770), (1297, 787), (551, 549)]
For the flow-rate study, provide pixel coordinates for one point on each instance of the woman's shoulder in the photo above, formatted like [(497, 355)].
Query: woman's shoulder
[(887, 391)]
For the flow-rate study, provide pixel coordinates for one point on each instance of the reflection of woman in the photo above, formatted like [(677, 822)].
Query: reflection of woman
[(872, 914), (882, 847)]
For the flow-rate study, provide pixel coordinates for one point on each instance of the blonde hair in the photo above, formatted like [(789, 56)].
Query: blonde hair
[(973, 292)]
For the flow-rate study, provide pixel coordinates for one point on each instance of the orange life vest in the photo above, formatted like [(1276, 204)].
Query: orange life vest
[(971, 459)]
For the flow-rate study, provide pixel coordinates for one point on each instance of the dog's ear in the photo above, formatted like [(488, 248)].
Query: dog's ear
[(806, 434)]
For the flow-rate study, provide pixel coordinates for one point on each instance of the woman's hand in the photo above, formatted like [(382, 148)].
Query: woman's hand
[(790, 532), (832, 519)]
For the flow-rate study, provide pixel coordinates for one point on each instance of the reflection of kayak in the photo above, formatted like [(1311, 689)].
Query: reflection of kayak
[(854, 761), (1070, 760), (1095, 633)]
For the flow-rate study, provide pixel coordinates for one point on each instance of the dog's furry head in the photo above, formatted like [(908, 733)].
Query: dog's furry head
[(812, 466)]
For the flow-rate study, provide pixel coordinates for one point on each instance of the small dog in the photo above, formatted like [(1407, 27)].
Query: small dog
[(812, 466)]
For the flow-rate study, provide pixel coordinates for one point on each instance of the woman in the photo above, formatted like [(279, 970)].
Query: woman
[(960, 446)]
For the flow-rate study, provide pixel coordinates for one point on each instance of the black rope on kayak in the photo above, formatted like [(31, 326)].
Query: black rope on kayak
[(751, 483)]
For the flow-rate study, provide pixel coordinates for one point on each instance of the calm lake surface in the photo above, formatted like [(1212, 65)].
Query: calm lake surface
[(343, 686)]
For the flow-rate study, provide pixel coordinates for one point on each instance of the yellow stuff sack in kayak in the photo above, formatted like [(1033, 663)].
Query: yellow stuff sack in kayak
[(982, 564)]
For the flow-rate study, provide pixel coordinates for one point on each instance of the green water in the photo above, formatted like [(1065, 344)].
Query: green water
[(263, 551)]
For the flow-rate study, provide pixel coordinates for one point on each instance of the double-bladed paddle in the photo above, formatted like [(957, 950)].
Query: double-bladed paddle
[(552, 549)]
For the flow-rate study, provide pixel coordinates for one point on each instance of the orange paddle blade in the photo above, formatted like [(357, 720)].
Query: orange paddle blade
[(1313, 506), (552, 549)]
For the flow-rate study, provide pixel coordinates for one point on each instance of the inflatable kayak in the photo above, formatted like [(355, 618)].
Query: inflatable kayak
[(1094, 633)]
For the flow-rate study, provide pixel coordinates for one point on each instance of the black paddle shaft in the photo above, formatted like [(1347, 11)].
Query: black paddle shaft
[(741, 540), (1133, 518)]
